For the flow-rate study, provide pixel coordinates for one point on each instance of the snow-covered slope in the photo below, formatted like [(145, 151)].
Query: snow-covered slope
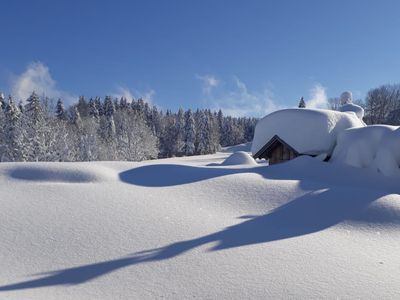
[(178, 229), (309, 131)]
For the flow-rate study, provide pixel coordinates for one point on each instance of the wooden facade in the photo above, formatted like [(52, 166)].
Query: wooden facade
[(276, 151)]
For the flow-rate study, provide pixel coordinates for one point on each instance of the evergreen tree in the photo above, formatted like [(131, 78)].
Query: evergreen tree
[(76, 117), (60, 110), (93, 111), (35, 129), (168, 136), (302, 103), (123, 103), (180, 128), (2, 101), (99, 106), (107, 131), (12, 138), (134, 131), (108, 106), (21, 107), (203, 133), (189, 134), (83, 107)]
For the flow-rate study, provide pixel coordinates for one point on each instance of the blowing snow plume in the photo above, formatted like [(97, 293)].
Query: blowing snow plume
[(37, 78), (318, 98)]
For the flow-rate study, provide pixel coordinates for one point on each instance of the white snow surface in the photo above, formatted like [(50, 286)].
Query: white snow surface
[(351, 107), (239, 158), (376, 147), (177, 229), (308, 131), (346, 97)]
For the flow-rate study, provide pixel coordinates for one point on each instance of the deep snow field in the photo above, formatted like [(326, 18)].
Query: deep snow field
[(196, 228)]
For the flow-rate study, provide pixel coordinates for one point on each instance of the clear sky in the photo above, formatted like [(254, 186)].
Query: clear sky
[(247, 57)]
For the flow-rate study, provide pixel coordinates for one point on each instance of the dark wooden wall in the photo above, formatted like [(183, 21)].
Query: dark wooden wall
[(281, 153)]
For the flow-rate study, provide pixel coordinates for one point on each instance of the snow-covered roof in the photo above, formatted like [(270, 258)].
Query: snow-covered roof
[(308, 131)]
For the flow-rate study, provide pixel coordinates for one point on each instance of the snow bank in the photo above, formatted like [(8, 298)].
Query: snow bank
[(376, 147), (227, 233), (239, 158), (309, 131), (62, 173), (351, 107)]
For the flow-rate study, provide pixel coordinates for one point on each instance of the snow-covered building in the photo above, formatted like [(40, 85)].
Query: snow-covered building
[(288, 133)]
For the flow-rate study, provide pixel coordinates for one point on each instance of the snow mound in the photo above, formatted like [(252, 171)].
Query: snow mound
[(346, 97), (48, 172), (376, 147), (309, 131), (239, 158), (351, 107)]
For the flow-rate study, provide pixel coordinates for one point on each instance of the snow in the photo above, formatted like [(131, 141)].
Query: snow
[(177, 229), (239, 158), (346, 98), (351, 107), (376, 147), (309, 131), (58, 172)]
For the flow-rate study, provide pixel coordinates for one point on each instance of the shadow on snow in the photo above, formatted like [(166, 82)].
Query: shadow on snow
[(307, 214)]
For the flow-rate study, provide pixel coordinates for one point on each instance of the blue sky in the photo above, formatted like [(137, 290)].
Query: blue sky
[(247, 57)]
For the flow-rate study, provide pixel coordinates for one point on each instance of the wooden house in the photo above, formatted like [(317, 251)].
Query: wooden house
[(285, 134), (276, 150)]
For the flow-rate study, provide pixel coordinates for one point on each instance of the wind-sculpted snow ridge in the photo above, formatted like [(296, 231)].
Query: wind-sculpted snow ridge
[(59, 173), (178, 229)]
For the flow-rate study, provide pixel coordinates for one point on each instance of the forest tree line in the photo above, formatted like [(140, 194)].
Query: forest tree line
[(112, 129)]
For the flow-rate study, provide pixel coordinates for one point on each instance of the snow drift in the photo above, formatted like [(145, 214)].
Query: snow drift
[(176, 229), (376, 147), (308, 131), (239, 158), (351, 107)]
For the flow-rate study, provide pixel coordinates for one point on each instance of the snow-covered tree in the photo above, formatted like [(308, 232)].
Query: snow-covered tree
[(109, 107), (2, 101), (38, 132), (12, 133), (93, 111), (34, 130), (83, 107), (180, 129), (135, 141), (123, 103), (189, 134), (203, 133), (60, 110)]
